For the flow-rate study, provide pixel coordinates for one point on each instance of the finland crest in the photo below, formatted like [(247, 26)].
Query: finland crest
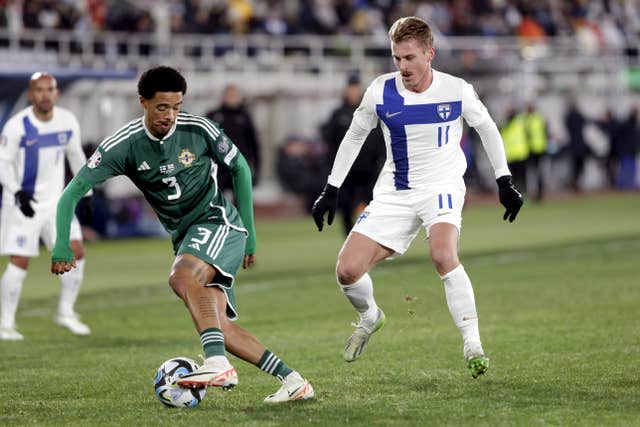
[(186, 157), (444, 111), (94, 160)]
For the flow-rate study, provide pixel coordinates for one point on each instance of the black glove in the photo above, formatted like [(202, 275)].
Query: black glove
[(510, 198), (23, 200), (84, 211), (327, 201)]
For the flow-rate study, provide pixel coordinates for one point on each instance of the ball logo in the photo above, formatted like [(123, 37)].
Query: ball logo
[(94, 160)]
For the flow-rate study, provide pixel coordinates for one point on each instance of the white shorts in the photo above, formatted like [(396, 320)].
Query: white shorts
[(20, 235), (394, 219)]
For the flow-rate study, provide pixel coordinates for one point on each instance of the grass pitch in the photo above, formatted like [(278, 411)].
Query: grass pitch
[(557, 294)]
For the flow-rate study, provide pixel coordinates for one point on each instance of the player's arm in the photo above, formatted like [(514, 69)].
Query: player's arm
[(223, 149), (77, 159), (9, 146), (8, 176), (102, 165), (242, 189), (62, 259), (476, 114), (364, 120)]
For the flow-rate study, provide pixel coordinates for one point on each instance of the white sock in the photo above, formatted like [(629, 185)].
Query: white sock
[(69, 288), (11, 285), (360, 295), (462, 305)]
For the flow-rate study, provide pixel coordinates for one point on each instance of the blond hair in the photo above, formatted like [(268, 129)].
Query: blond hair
[(411, 27)]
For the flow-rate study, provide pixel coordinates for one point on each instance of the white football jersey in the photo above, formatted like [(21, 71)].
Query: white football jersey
[(37, 151), (422, 131)]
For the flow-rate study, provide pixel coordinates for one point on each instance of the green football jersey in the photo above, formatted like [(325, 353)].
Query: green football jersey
[(176, 174)]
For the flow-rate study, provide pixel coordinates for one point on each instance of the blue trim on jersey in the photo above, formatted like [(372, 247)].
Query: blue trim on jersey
[(439, 201), (32, 142), (396, 115), (450, 201)]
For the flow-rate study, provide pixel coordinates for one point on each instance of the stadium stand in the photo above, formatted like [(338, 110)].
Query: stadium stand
[(291, 58)]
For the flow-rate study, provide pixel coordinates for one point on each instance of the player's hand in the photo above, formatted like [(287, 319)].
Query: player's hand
[(61, 267), (510, 198), (326, 202), (248, 261), (23, 200)]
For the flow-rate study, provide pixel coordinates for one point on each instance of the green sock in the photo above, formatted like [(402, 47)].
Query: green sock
[(212, 341), (271, 364)]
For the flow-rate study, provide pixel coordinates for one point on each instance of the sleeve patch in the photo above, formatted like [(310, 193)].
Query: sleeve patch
[(94, 160), (223, 145)]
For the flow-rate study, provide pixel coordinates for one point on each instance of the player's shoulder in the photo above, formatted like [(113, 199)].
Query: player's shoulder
[(376, 88), (379, 82), (18, 117), (63, 112), (449, 79), (64, 116), (201, 123), (124, 135)]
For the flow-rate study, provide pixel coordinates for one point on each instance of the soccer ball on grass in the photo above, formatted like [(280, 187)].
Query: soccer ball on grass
[(168, 392)]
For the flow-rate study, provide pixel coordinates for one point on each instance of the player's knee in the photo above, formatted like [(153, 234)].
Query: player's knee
[(444, 260), (347, 273), (79, 253), (78, 249), (179, 280)]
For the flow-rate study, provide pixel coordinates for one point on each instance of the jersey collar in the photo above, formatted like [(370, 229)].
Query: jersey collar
[(154, 138), (406, 93)]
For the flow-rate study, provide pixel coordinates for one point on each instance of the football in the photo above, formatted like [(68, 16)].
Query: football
[(168, 392)]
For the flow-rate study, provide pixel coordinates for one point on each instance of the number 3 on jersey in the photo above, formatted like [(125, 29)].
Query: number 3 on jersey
[(173, 182)]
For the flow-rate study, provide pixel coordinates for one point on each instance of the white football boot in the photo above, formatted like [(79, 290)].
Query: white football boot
[(294, 387), (358, 340), (10, 334), (216, 371), (72, 322)]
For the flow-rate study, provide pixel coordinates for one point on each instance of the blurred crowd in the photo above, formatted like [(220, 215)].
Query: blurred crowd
[(531, 149), (611, 22)]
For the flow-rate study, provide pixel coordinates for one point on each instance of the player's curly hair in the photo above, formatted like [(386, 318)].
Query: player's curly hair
[(411, 27), (161, 79)]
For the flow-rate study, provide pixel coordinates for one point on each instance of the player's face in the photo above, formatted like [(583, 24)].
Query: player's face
[(161, 111), (413, 61), (43, 94)]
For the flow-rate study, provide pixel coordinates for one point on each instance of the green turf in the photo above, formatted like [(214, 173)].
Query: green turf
[(557, 294)]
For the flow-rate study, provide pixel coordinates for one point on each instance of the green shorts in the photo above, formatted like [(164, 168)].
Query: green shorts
[(222, 247)]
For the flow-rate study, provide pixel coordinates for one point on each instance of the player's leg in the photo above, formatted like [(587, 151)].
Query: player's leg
[(70, 284), (188, 279), (384, 229), (71, 281), (241, 343), (11, 284), (358, 255), (19, 238), (443, 245)]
